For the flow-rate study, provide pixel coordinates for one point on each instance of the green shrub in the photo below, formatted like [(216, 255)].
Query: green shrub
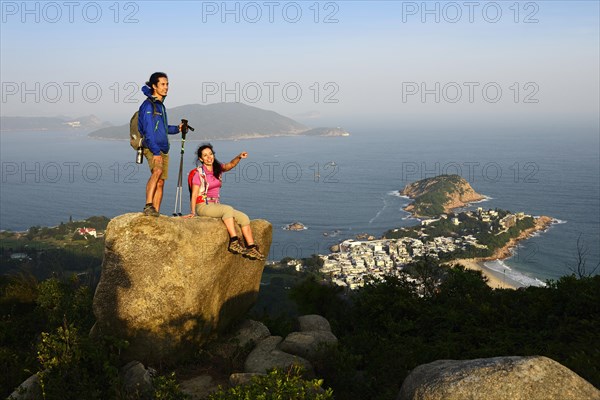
[(277, 385), (167, 388), (75, 366), (71, 300)]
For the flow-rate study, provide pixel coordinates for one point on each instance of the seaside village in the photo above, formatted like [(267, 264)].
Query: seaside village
[(358, 259)]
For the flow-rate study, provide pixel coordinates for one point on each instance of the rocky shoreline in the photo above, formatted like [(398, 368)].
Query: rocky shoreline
[(541, 224)]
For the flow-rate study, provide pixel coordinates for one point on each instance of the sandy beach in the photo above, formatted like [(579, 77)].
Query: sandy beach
[(494, 281), (501, 282)]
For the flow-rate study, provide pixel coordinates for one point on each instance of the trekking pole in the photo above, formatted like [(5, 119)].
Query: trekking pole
[(179, 194)]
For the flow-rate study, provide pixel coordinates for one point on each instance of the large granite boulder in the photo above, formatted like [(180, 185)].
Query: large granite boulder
[(499, 378), (168, 284)]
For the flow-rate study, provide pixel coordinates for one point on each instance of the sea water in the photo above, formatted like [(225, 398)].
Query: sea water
[(337, 187)]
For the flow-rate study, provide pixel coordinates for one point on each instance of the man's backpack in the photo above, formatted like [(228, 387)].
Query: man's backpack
[(136, 139), (135, 136)]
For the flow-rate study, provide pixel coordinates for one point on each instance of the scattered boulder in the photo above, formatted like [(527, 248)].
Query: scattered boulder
[(266, 356), (315, 335), (313, 322), (241, 340), (499, 378), (308, 344), (137, 380), (297, 348), (250, 331), (169, 284)]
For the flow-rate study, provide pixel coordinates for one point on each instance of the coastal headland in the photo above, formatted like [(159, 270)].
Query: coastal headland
[(468, 237), (448, 192)]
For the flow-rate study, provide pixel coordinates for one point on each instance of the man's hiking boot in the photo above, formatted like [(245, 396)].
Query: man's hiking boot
[(236, 247), (253, 253), (150, 211)]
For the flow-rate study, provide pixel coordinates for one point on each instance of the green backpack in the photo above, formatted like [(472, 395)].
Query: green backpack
[(136, 139), (135, 136)]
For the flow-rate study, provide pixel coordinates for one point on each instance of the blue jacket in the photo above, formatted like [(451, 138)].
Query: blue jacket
[(152, 123)]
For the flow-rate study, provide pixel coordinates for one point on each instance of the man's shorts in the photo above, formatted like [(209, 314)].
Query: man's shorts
[(165, 163)]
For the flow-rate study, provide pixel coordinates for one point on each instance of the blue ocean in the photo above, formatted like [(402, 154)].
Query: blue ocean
[(337, 187)]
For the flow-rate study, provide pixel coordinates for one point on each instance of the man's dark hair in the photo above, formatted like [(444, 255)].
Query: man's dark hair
[(154, 79)]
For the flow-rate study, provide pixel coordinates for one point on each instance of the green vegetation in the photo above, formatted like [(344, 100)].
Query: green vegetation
[(58, 251), (386, 329), (434, 193), (44, 330), (489, 234)]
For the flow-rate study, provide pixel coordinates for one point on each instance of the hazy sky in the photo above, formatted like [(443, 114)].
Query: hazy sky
[(341, 60)]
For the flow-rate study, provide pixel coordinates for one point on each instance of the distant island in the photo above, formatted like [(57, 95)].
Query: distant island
[(19, 124), (229, 121), (439, 194)]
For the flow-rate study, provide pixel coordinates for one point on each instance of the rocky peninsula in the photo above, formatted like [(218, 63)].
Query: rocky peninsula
[(439, 194)]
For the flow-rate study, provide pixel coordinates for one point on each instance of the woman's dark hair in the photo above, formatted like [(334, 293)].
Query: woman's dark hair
[(217, 167), (154, 79)]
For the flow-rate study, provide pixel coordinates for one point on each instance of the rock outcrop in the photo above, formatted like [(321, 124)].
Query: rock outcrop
[(271, 351), (169, 284), (499, 378)]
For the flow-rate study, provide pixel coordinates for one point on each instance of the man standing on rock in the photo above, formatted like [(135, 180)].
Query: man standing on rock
[(153, 125)]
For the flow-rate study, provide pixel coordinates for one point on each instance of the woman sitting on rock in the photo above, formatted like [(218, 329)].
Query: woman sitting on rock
[(205, 183)]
